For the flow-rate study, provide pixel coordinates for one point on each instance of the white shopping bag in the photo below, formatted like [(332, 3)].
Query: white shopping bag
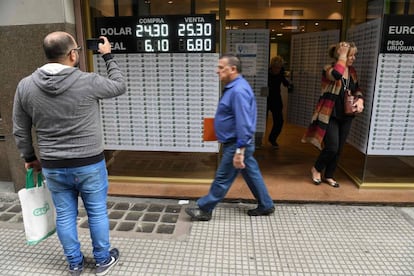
[(38, 211)]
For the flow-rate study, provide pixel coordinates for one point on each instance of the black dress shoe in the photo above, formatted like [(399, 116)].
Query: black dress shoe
[(275, 145), (260, 212), (198, 214)]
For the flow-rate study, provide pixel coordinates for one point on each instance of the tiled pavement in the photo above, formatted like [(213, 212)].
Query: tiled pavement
[(299, 239)]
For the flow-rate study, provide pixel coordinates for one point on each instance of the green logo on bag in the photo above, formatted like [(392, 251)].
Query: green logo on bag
[(42, 210)]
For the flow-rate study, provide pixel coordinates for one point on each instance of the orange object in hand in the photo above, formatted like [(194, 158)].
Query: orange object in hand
[(209, 134)]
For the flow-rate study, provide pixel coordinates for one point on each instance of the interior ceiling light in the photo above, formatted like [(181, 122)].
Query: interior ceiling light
[(246, 23), (338, 1), (316, 23), (170, 2)]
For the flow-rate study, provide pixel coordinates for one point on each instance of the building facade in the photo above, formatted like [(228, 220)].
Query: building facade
[(169, 50)]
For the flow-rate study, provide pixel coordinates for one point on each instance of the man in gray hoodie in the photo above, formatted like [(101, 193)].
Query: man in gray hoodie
[(61, 103)]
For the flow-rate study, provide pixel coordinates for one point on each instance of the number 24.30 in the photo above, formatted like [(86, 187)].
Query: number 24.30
[(155, 30)]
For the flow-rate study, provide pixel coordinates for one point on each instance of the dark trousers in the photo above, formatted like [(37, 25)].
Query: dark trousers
[(277, 116), (334, 141)]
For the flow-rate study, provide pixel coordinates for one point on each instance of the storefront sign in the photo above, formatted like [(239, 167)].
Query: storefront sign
[(159, 34), (398, 34), (248, 56)]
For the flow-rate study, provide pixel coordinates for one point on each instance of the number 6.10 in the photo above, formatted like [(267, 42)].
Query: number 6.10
[(157, 45)]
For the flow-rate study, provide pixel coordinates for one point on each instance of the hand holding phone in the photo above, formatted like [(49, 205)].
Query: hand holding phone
[(93, 43)]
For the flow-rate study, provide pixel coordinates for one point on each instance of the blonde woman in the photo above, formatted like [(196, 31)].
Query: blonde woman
[(330, 125)]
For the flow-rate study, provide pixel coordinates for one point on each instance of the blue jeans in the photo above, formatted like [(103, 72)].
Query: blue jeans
[(91, 183), (225, 175)]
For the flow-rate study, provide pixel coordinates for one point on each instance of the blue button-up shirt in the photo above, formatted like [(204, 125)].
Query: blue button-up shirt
[(235, 119)]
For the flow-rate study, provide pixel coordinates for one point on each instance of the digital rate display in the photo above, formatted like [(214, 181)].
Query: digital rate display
[(160, 34)]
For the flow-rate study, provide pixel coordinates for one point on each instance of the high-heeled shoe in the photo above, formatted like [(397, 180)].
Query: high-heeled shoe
[(332, 182), (315, 180)]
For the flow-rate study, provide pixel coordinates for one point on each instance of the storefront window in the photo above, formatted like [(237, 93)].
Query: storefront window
[(273, 38), (268, 28), (171, 83), (386, 161)]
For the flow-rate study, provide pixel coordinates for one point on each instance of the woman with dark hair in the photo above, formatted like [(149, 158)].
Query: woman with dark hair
[(330, 124)]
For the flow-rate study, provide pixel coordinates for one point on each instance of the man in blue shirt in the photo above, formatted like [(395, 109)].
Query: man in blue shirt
[(234, 124)]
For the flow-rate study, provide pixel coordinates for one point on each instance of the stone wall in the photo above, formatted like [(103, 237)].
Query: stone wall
[(22, 53)]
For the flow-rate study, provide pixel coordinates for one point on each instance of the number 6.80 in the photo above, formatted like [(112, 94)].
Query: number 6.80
[(198, 44)]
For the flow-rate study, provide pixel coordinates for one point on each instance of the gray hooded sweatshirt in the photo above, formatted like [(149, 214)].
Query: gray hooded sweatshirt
[(61, 103)]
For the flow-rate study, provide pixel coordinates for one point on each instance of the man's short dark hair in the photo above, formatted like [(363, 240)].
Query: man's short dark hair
[(233, 60), (57, 47)]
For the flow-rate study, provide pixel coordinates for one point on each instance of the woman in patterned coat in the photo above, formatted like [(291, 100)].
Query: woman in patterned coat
[(330, 125)]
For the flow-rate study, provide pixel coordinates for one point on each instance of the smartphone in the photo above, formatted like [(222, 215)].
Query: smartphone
[(92, 43)]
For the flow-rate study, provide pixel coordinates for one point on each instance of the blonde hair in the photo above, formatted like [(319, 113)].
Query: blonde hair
[(333, 49)]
